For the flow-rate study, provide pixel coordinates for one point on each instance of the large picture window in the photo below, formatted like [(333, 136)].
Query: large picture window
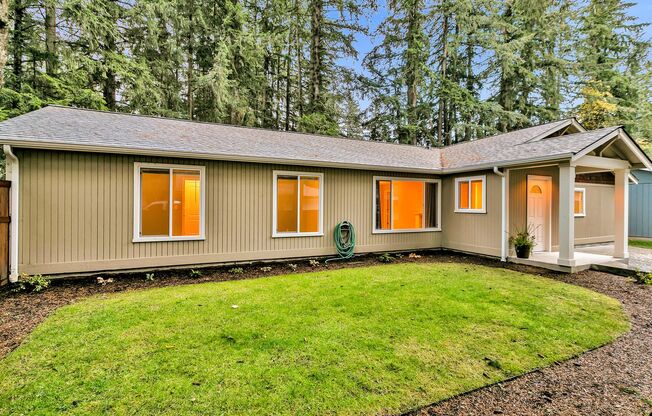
[(297, 204), (168, 202), (470, 194), (403, 205)]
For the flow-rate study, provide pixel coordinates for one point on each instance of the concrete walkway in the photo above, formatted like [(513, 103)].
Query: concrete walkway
[(639, 258)]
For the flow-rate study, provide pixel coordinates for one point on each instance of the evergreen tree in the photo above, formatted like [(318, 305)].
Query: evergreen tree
[(615, 68)]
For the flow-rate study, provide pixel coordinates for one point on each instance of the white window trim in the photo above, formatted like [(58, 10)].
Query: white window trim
[(583, 213), (410, 230), (468, 179), (275, 233), (137, 238)]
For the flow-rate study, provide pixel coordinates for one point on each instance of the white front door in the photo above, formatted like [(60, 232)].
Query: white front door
[(538, 210)]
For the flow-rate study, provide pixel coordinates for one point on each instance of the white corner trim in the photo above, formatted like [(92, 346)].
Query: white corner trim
[(469, 179), (391, 179), (320, 232), (503, 214), (137, 238), (13, 175)]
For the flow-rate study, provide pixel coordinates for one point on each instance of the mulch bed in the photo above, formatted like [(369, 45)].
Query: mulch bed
[(615, 379)]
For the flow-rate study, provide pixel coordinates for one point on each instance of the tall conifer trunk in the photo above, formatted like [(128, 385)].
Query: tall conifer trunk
[(412, 76), (50, 37), (316, 55), (441, 128), (4, 37)]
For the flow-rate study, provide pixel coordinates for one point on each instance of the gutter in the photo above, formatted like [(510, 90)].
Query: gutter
[(503, 216), (13, 175)]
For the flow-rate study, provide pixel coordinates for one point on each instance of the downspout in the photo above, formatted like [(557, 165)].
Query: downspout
[(503, 216), (12, 174)]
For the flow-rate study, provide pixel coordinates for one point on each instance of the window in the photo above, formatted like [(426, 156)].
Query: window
[(168, 202), (403, 205), (470, 195), (579, 205), (297, 204)]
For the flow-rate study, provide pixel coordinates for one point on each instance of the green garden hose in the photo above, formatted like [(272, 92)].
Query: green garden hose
[(344, 236)]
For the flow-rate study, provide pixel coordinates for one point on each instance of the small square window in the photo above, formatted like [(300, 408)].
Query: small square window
[(470, 194)]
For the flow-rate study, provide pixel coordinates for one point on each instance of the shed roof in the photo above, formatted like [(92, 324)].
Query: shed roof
[(65, 128)]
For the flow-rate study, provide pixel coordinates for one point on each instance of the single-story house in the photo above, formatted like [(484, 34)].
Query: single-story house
[(640, 204), (95, 191)]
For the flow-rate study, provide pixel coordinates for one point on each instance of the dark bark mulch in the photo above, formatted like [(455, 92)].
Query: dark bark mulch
[(615, 379)]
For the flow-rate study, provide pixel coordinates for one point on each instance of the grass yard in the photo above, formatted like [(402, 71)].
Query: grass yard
[(368, 340), (641, 243)]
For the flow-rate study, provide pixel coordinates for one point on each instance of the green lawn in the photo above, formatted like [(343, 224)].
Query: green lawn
[(370, 340), (641, 243)]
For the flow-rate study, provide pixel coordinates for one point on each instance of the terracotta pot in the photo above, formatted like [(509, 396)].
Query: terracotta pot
[(522, 252)]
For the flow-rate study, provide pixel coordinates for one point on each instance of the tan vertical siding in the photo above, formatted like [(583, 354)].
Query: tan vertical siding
[(475, 233), (77, 215), (596, 227), (598, 224)]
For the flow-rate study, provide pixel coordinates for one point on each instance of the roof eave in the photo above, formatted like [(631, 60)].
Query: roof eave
[(627, 139), (211, 156), (510, 163)]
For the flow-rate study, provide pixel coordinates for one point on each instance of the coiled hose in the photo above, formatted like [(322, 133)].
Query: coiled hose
[(344, 236)]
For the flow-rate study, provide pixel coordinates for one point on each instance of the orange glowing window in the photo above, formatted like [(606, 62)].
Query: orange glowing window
[(298, 203), (170, 202), (470, 194), (186, 203), (406, 204), (155, 202), (580, 202), (463, 195), (383, 205)]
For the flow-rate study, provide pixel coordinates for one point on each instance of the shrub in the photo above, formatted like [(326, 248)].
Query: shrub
[(293, 267), (522, 238), (236, 270), (149, 276), (34, 283), (195, 273), (266, 269), (385, 258), (643, 278), (314, 263)]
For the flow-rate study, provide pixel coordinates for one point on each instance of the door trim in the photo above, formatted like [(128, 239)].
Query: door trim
[(548, 192)]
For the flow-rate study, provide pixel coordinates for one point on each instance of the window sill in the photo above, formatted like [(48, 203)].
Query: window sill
[(286, 235), (580, 215), (161, 239), (470, 211), (416, 230)]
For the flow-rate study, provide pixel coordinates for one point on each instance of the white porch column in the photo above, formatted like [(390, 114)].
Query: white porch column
[(566, 215), (621, 223)]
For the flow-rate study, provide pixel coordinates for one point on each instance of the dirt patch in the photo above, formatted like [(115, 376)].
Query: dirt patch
[(616, 379)]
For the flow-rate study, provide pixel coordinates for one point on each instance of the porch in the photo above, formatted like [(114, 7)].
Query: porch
[(585, 258), (578, 202)]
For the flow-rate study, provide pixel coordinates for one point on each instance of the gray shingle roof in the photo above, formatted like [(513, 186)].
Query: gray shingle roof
[(501, 147), (68, 126), (76, 129)]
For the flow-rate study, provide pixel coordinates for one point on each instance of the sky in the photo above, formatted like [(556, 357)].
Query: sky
[(641, 10)]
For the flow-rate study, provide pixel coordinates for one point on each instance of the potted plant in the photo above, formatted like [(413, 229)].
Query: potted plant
[(523, 242)]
